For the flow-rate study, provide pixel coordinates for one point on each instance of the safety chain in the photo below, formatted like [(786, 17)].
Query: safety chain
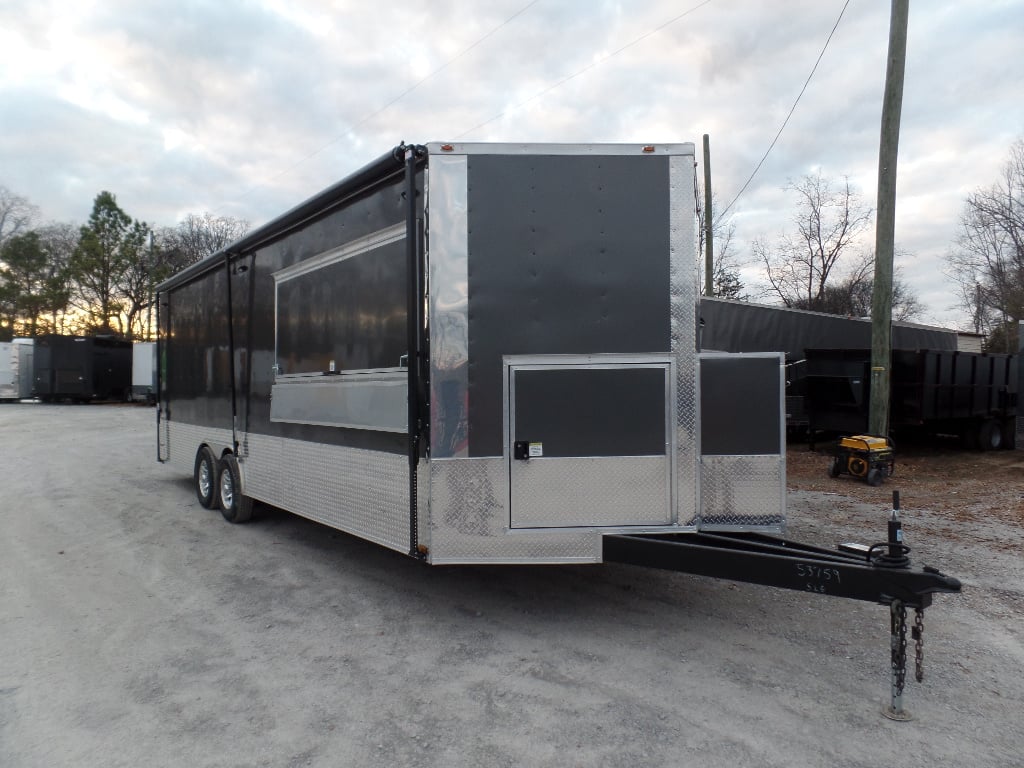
[(918, 634), (899, 645)]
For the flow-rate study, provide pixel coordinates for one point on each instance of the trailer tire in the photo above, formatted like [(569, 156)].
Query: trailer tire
[(204, 477), (1010, 434), (990, 436), (235, 507)]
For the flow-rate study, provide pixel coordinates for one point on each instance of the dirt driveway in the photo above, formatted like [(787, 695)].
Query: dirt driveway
[(138, 629), (967, 485)]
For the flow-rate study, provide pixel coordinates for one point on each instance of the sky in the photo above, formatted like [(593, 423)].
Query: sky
[(245, 109)]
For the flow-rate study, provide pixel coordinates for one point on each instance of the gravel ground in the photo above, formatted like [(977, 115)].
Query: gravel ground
[(137, 628)]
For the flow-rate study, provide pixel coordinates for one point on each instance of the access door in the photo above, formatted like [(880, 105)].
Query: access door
[(590, 442)]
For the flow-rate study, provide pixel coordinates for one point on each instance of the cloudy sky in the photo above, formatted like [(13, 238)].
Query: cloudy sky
[(247, 108)]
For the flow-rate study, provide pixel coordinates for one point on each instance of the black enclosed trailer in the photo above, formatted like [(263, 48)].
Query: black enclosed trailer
[(81, 368), (971, 394)]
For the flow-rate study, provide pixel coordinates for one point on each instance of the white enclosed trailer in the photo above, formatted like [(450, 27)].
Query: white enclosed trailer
[(143, 372), (16, 369)]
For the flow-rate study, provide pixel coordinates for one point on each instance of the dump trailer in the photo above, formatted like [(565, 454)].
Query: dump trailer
[(741, 326), (487, 353), (970, 394), (81, 368)]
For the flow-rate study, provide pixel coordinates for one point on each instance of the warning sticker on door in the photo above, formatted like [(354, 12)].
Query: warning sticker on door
[(536, 450)]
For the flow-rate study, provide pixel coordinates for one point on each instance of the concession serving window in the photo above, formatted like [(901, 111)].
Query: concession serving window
[(340, 328)]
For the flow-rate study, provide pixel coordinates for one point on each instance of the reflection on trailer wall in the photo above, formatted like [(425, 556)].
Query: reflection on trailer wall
[(199, 369), (345, 314)]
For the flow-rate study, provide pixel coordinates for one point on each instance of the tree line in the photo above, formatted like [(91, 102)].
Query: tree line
[(98, 278), (987, 260), (820, 262)]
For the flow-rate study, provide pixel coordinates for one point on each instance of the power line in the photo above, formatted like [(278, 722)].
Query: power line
[(440, 69), (587, 68), (397, 98), (792, 109)]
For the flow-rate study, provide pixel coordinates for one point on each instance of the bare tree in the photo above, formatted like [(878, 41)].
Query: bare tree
[(169, 250), (200, 235), (828, 220), (16, 217), (59, 240), (16, 214), (987, 261), (137, 286), (851, 295), (725, 261)]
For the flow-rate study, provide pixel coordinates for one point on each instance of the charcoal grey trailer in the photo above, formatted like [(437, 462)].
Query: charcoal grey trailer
[(549, 369), (478, 353)]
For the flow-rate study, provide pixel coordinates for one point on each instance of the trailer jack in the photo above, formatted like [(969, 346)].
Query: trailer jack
[(881, 573)]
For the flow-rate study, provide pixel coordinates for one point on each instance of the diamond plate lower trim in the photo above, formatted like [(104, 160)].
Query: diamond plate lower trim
[(362, 492), (469, 507), (183, 441), (423, 503), (743, 493), (605, 490)]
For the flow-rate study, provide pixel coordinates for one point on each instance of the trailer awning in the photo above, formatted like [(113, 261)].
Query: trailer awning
[(385, 166)]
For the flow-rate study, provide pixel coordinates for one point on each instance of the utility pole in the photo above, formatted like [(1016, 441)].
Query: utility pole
[(1019, 439), (709, 243), (885, 227)]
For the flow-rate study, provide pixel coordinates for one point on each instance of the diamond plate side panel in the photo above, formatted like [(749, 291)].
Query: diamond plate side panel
[(683, 300), (183, 440), (736, 493), (556, 493), (365, 493), (470, 520), (423, 502)]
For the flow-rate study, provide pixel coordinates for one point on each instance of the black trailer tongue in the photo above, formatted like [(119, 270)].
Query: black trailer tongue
[(879, 573)]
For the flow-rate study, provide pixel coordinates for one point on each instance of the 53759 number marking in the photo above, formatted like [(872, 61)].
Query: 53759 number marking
[(819, 577)]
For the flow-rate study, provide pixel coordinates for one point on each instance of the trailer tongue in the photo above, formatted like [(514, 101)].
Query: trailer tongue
[(879, 573)]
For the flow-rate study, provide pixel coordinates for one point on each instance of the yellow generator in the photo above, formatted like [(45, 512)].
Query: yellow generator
[(868, 457)]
